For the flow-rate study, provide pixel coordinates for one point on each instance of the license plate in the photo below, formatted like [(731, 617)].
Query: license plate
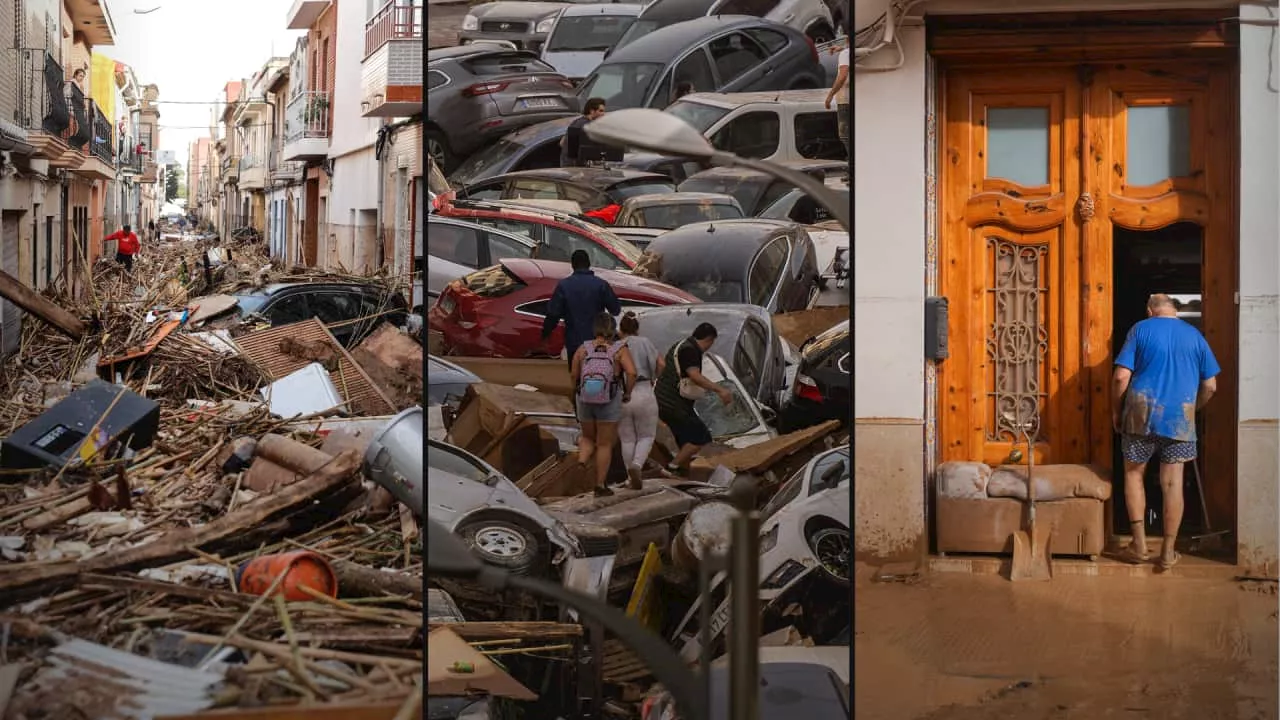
[(539, 103), (446, 304)]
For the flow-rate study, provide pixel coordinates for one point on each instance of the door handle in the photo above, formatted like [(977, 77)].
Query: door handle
[(768, 71)]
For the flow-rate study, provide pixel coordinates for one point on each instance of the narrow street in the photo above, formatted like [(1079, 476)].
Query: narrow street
[(961, 647)]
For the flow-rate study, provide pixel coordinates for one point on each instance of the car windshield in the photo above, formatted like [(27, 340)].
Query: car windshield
[(710, 289), (674, 215), (622, 191), (250, 303), (444, 459), (487, 163), (729, 420), (745, 191), (587, 33), (621, 85), (785, 495), (696, 114)]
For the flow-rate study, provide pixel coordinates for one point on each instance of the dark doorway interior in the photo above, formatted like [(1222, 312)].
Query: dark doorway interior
[(1168, 260)]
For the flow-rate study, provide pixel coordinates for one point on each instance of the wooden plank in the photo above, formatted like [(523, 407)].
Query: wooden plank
[(532, 630), (24, 297), (762, 456), (158, 335)]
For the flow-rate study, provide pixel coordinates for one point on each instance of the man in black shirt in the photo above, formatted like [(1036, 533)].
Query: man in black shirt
[(684, 362), (573, 134)]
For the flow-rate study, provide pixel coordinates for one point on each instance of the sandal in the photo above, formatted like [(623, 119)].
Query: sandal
[(1132, 556), (1167, 565)]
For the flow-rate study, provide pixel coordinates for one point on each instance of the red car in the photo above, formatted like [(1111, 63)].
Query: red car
[(557, 234), (498, 311)]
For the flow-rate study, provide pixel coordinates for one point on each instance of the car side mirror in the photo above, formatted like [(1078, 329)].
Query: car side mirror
[(770, 415)]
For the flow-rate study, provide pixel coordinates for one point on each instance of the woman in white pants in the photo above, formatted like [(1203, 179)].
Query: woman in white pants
[(639, 422)]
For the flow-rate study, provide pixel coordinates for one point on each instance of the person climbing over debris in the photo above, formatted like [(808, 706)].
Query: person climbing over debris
[(680, 384), (1165, 373), (578, 299), (639, 423), (127, 246), (604, 376)]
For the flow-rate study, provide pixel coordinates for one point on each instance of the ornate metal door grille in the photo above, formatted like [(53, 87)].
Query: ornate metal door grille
[(1017, 339)]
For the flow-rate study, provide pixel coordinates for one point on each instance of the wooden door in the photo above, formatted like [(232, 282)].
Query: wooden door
[(1010, 176)]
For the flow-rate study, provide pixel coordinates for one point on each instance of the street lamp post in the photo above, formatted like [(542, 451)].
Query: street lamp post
[(660, 132), (446, 555)]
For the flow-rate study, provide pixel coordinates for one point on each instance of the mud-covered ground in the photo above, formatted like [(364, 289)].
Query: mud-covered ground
[(443, 22), (961, 647)]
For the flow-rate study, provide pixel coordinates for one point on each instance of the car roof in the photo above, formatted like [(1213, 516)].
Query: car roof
[(728, 318), (651, 199), (464, 51), (594, 177), (667, 9), (663, 44), (275, 288), (614, 8), (738, 99), (552, 271), (447, 220), (736, 243)]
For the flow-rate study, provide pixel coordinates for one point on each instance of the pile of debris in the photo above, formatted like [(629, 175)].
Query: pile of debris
[(186, 518)]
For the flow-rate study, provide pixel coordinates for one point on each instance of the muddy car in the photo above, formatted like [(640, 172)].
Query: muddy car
[(668, 211), (652, 514), (804, 537), (491, 515)]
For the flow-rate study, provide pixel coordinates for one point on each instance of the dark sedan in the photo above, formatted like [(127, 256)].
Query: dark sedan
[(351, 311), (744, 337), (599, 191), (447, 382), (477, 93), (756, 191), (822, 389), (722, 53), (769, 263)]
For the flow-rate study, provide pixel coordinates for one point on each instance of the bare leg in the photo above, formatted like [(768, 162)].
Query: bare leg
[(606, 434), (1135, 499), (586, 441), (685, 456), (1171, 487)]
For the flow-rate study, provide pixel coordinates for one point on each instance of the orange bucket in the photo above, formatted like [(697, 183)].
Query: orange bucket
[(302, 569)]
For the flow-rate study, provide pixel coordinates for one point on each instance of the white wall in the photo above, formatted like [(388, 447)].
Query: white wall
[(889, 232), (350, 131)]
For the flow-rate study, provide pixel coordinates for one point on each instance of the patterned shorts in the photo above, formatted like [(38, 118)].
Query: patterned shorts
[(1141, 448)]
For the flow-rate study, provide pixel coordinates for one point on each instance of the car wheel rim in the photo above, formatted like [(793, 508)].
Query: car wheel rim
[(832, 548), (500, 542), (435, 149)]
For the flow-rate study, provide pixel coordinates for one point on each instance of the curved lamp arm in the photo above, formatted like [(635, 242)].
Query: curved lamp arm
[(803, 181)]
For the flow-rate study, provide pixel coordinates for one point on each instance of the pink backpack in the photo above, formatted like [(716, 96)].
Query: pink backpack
[(598, 382)]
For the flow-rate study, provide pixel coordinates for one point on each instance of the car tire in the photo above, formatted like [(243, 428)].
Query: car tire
[(502, 544), (820, 538), (438, 148)]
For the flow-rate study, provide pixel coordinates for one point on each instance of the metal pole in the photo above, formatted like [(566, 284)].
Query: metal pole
[(803, 181), (744, 623)]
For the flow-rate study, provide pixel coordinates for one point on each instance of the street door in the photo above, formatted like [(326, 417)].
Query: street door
[(1028, 240), (1010, 172)]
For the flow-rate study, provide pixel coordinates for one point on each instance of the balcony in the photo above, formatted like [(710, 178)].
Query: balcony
[(42, 107), (230, 170), (128, 159), (99, 163), (90, 18), (306, 126), (391, 72), (253, 176), (304, 13), (281, 171)]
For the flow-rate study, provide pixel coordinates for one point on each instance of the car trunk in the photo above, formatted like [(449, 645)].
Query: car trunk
[(530, 93)]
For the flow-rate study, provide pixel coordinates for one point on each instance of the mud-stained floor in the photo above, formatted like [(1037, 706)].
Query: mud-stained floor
[(962, 647)]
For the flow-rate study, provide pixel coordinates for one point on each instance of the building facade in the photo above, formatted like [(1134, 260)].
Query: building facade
[(1044, 169)]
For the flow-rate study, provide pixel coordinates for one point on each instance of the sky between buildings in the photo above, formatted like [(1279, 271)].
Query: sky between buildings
[(191, 48)]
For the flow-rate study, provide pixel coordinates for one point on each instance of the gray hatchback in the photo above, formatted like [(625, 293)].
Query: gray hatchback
[(477, 93), (722, 53)]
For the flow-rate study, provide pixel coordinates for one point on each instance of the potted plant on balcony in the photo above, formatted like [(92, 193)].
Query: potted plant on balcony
[(316, 108)]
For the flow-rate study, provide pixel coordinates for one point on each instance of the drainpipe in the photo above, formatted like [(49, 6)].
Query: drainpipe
[(380, 153), (14, 139)]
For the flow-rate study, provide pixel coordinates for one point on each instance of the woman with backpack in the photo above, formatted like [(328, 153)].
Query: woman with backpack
[(604, 375), (639, 423)]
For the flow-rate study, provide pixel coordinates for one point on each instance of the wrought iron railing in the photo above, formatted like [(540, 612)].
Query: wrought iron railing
[(397, 19), (307, 116), (249, 160), (101, 145), (80, 131), (41, 104), (128, 159)]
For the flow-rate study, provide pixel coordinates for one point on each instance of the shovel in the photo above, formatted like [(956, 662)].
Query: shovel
[(1030, 546)]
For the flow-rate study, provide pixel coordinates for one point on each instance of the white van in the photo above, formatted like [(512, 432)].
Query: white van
[(775, 125)]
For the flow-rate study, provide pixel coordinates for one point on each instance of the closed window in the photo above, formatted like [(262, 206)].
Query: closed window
[(565, 243), (767, 271), (436, 79), (288, 309), (501, 248), (534, 189), (772, 40), (755, 8), (484, 191), (735, 54), (752, 349), (750, 135), (533, 231), (818, 136), (454, 243), (335, 307), (587, 198), (695, 70)]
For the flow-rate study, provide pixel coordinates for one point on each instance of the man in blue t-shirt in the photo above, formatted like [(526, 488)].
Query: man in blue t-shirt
[(1164, 373)]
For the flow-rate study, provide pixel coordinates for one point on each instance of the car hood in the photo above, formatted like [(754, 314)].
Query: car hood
[(825, 245), (573, 64), (516, 10)]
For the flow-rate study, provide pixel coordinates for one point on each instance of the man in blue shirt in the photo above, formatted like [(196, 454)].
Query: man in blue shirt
[(578, 299), (1164, 373)]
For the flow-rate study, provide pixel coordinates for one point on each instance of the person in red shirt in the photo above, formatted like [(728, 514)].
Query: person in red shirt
[(127, 246)]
